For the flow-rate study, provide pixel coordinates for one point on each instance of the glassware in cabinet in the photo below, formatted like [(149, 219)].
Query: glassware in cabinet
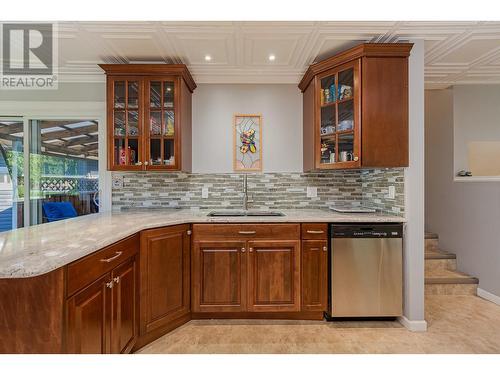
[(126, 123), (162, 123)]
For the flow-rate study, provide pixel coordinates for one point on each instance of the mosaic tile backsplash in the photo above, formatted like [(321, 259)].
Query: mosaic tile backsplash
[(266, 190)]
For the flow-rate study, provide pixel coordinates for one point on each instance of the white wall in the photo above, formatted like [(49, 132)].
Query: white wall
[(213, 109), (476, 117), (466, 215)]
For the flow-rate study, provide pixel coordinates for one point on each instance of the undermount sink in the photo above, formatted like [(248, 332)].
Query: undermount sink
[(245, 213)]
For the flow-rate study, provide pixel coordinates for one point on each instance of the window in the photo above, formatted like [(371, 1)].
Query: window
[(62, 161)]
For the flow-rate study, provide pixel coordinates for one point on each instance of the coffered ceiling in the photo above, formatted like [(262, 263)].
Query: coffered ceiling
[(455, 52)]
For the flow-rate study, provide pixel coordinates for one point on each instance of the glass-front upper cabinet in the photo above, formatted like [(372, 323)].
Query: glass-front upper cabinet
[(355, 109), (161, 123), (338, 120), (125, 115), (147, 107)]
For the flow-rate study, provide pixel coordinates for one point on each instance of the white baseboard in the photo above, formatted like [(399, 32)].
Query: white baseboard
[(413, 325), (488, 296)]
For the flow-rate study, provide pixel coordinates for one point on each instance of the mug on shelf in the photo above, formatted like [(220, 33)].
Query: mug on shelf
[(345, 156)]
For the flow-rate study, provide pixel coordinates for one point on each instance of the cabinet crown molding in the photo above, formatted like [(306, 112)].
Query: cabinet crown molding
[(151, 69), (361, 50)]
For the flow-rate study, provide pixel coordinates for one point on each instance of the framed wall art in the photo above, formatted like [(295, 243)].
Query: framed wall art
[(247, 144)]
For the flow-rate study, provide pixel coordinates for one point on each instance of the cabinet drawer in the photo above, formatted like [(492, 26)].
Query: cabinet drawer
[(244, 231), (86, 270), (314, 231)]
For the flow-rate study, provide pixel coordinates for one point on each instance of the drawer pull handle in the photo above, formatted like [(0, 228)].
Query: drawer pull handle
[(315, 231), (117, 279), (314, 249), (247, 232), (108, 260)]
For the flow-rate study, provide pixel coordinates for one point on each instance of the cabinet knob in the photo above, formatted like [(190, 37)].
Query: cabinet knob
[(109, 285), (356, 158), (325, 248), (116, 279), (242, 249), (188, 232), (146, 163), (139, 163), (251, 249)]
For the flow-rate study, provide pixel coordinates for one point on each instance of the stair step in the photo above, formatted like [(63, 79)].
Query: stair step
[(429, 235), (451, 289), (439, 254), (446, 282), (435, 264), (449, 277), (431, 244)]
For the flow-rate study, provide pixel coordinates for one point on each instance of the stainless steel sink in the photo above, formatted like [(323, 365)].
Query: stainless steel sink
[(244, 213), (264, 213)]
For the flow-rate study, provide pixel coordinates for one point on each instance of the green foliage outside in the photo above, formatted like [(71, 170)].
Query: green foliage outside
[(40, 166)]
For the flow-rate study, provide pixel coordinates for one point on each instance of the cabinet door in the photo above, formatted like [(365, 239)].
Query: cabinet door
[(124, 307), (162, 124), (274, 276), (314, 275), (165, 276), (338, 134), (219, 271), (125, 127), (89, 318)]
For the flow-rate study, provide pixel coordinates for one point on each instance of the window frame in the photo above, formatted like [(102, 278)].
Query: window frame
[(29, 110)]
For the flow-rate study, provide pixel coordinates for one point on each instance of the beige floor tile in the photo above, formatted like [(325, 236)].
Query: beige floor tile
[(456, 324)]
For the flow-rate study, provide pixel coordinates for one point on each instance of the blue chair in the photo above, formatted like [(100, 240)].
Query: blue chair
[(55, 211)]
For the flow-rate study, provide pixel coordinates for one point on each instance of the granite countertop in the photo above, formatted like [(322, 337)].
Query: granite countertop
[(43, 248)]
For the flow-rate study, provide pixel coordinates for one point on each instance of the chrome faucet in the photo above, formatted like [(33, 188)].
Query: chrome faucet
[(245, 193)]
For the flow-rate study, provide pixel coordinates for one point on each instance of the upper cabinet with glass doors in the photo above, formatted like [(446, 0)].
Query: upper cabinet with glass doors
[(148, 111), (355, 111)]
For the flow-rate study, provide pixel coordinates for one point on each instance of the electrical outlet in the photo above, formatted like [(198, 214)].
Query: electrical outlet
[(312, 192), (204, 192), (117, 182), (392, 192)]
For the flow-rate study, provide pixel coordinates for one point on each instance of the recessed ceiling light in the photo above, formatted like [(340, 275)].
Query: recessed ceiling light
[(272, 57), (208, 58)]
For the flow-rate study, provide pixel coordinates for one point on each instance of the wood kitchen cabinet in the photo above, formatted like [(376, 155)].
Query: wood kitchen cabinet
[(124, 307), (89, 319), (314, 267), (355, 108), (165, 278), (314, 275), (149, 116), (273, 275), (246, 268), (219, 276), (102, 305)]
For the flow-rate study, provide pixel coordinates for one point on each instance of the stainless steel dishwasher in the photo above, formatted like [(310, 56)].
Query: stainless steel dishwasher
[(366, 273)]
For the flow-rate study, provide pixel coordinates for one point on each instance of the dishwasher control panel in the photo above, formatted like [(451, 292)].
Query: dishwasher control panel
[(367, 231)]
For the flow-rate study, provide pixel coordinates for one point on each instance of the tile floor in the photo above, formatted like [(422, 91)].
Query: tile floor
[(456, 324)]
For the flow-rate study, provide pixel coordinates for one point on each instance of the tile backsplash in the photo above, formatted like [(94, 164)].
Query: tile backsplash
[(266, 190)]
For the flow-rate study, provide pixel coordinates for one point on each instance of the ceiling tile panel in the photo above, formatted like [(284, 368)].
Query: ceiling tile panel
[(455, 52)]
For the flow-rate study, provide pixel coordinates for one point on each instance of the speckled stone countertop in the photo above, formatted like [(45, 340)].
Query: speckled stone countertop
[(43, 248)]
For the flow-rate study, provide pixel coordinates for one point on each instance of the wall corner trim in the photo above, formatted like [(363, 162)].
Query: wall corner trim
[(413, 325), (488, 296)]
